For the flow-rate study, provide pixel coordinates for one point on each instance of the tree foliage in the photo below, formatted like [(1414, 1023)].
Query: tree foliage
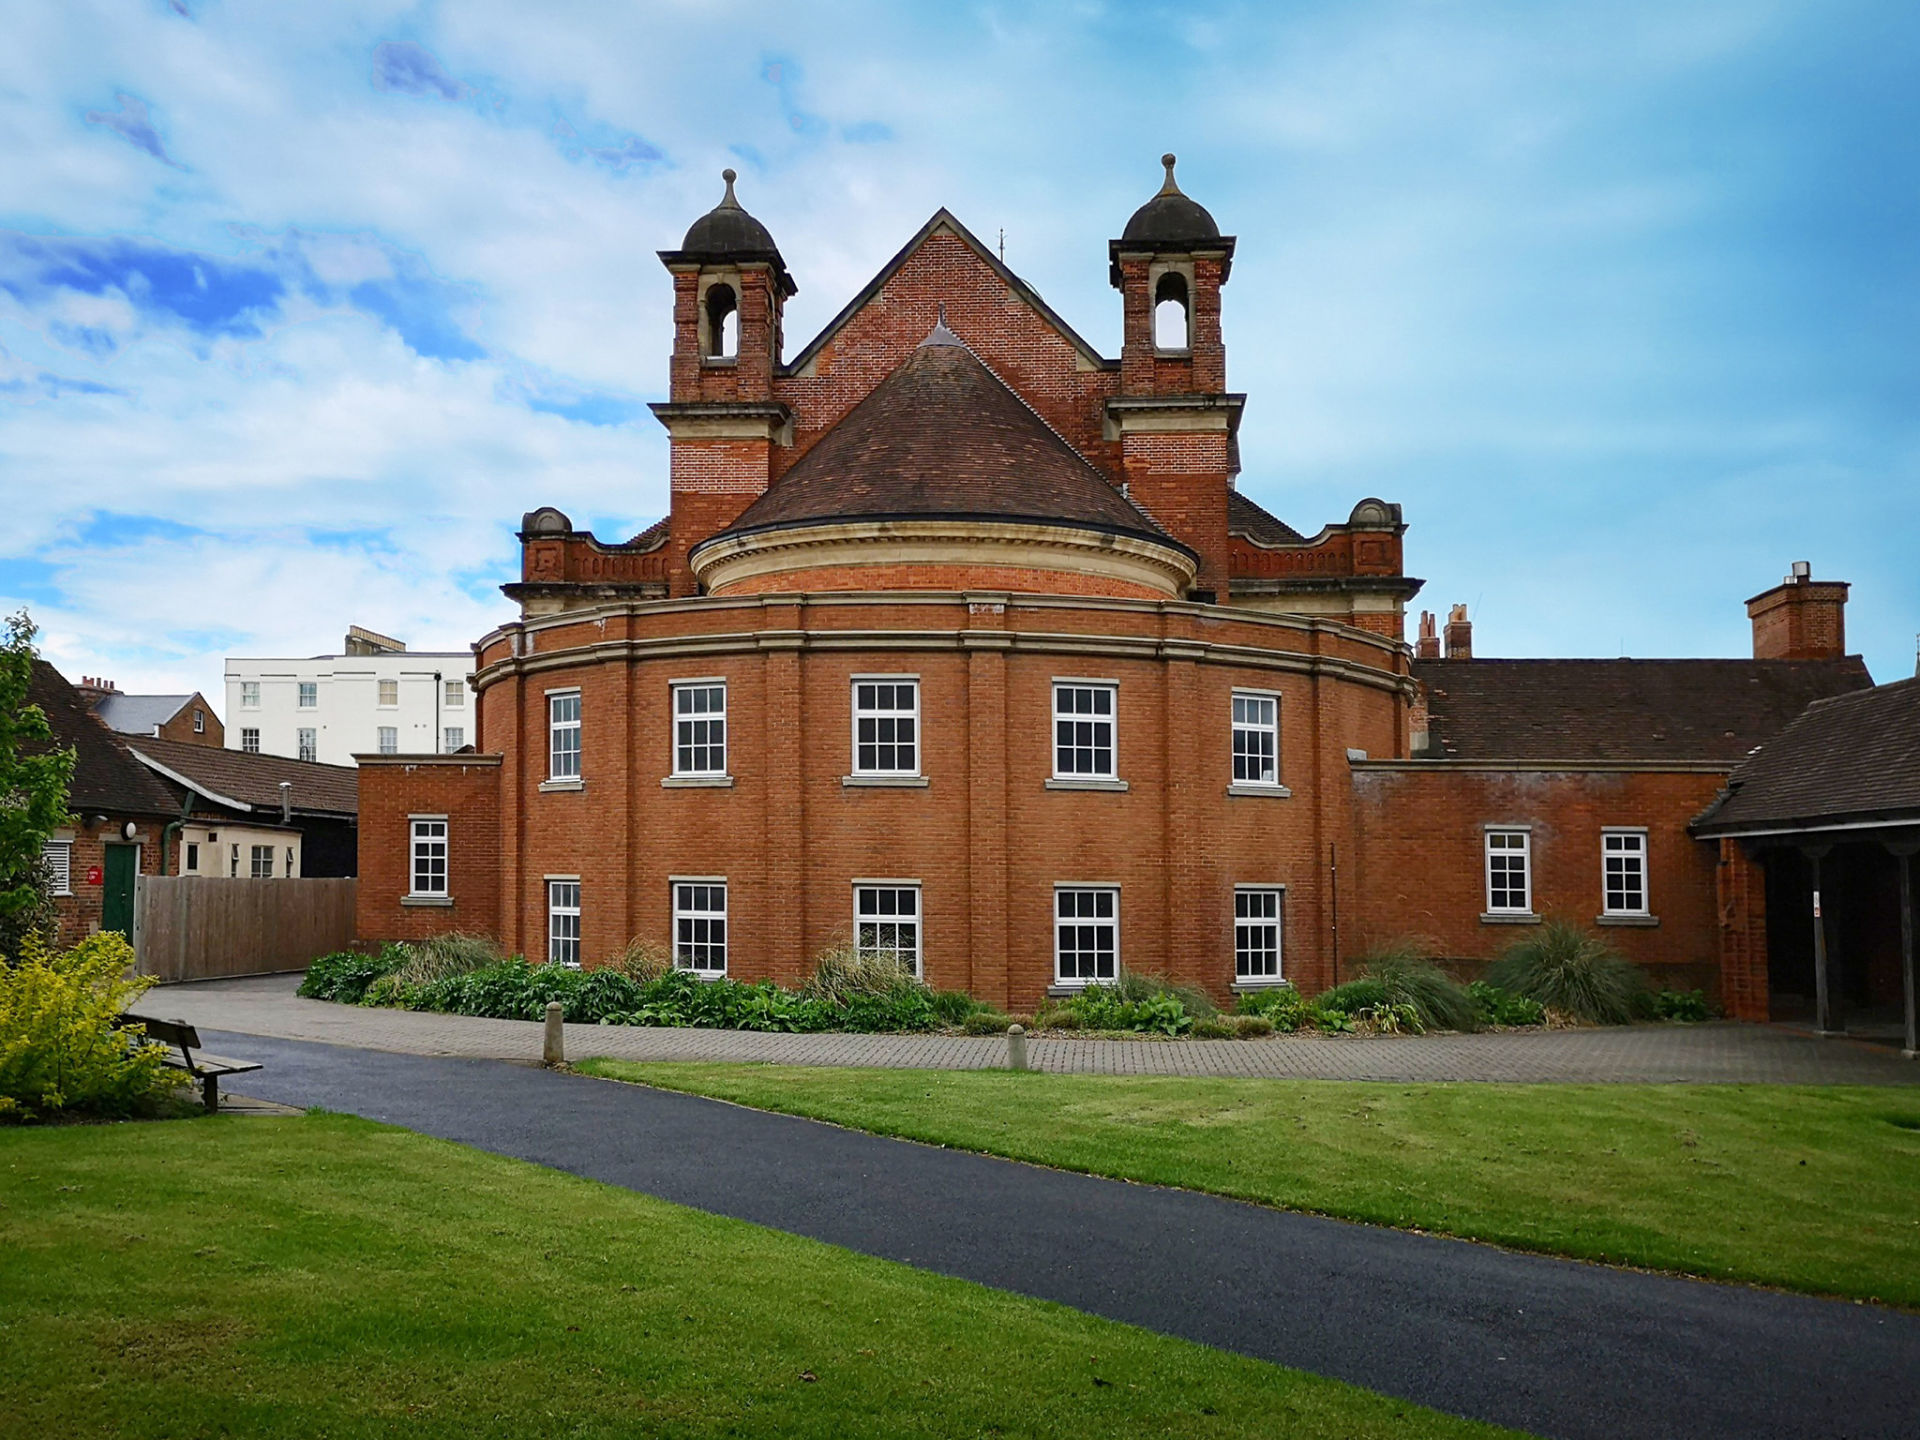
[(34, 778)]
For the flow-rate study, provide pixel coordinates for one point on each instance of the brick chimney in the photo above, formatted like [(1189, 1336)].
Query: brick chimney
[(1459, 634), (1428, 646), (92, 690), (1800, 618)]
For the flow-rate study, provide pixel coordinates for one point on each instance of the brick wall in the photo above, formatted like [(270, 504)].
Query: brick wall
[(466, 791), (180, 727), (78, 915)]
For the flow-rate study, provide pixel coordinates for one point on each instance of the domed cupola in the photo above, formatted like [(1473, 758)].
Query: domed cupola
[(1170, 217), (727, 234)]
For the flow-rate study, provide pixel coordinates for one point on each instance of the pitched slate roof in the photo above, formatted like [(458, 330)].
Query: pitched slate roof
[(254, 779), (105, 777), (1852, 758), (944, 436), (138, 714), (1698, 710), (1248, 519)]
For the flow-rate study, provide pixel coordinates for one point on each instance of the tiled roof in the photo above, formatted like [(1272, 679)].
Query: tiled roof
[(1248, 519), (1855, 757), (138, 714), (943, 436), (255, 779), (1621, 709), (105, 777)]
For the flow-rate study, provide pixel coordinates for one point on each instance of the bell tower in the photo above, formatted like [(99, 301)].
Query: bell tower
[(1175, 421), (730, 287)]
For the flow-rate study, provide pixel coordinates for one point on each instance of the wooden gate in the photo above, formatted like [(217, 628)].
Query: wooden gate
[(193, 927)]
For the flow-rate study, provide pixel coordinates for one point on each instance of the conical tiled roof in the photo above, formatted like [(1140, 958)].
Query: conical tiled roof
[(942, 436)]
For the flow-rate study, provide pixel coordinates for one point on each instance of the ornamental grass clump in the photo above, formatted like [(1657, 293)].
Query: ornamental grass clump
[(1566, 969), (345, 976), (440, 956), (60, 1052)]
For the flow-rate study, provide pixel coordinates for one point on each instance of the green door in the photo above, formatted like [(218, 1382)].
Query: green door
[(116, 905)]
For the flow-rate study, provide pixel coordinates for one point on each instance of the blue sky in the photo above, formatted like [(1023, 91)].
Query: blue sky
[(302, 306)]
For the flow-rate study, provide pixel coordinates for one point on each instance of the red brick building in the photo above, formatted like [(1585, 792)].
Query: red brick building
[(959, 638)]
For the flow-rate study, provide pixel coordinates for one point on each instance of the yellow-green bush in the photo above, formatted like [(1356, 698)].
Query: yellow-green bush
[(59, 1050)]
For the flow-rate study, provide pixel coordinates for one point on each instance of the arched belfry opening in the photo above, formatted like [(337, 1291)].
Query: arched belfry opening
[(723, 322), (1172, 313)]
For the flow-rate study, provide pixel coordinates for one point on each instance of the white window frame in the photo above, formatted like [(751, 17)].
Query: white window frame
[(233, 861), (448, 741), (1525, 850), (868, 909), (912, 716), (675, 689), (1278, 895), (1063, 683), (254, 858), (249, 739), (1086, 888), (306, 742), (556, 728), (249, 694), (455, 694), (1271, 729), (684, 888), (199, 721), (560, 933), (384, 688), (421, 833), (59, 866), (291, 870), (1637, 833), (306, 695), (387, 739), (190, 858)]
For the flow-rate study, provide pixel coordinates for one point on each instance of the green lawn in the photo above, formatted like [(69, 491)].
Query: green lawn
[(323, 1276), (1814, 1189)]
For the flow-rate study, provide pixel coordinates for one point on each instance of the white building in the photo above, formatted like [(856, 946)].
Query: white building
[(376, 698)]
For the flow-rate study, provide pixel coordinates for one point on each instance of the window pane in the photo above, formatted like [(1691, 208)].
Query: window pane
[(563, 922), (1086, 935), (884, 924), (700, 730), (563, 737), (1507, 870), (1083, 731), (700, 927), (885, 727), (1256, 935)]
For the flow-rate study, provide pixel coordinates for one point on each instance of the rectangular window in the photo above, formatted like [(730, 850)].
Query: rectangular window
[(456, 738), (886, 727), (1083, 731), (191, 864), (199, 722), (389, 740), (563, 922), (456, 694), (1257, 911), (700, 926), (429, 857), (290, 866), (1509, 875), (886, 924), (389, 692), (1256, 740), (250, 740), (309, 694), (309, 742), (1623, 871), (700, 729), (563, 736), (57, 855), (1086, 935), (262, 862), (249, 694), (233, 862)]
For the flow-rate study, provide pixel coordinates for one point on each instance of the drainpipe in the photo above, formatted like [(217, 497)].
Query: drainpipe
[(439, 735), (186, 811), (286, 802)]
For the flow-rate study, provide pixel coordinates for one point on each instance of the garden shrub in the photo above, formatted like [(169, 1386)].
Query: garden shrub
[(439, 956), (844, 972), (1252, 1027), (59, 1048), (1137, 986), (1504, 1008), (1352, 997), (1332, 1022), (1281, 1005), (1389, 1018), (642, 961), (1688, 1006), (1407, 976), (1101, 1007), (1057, 1017), (986, 1022), (345, 975), (1213, 1027), (953, 1007), (1566, 969)]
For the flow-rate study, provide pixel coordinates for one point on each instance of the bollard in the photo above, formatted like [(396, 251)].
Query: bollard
[(1016, 1048), (554, 1051)]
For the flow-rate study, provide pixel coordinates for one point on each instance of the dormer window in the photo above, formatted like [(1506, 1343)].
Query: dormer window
[(723, 324), (1172, 314)]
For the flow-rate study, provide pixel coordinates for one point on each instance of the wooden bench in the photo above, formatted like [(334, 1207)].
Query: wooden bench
[(183, 1041)]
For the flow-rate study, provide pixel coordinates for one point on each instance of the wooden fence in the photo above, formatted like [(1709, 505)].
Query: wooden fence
[(193, 927)]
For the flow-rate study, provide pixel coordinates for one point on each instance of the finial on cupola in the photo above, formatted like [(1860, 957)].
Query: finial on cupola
[(728, 202), (1172, 187), (940, 334)]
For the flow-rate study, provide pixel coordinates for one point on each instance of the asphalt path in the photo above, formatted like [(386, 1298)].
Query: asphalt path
[(1550, 1346)]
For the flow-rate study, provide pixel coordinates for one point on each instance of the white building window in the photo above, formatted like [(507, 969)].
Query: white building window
[(563, 735), (1509, 872), (456, 693), (57, 855), (700, 729), (1623, 872), (886, 924), (309, 694), (700, 926), (290, 871), (190, 862), (1256, 739), (249, 694), (389, 693), (1257, 913), (563, 922), (389, 740), (456, 738), (1086, 934), (250, 740), (199, 722), (886, 727), (1083, 739), (262, 862), (308, 742), (233, 862), (429, 857)]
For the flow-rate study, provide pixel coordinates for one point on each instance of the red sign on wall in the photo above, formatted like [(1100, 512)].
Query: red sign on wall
[(96, 876)]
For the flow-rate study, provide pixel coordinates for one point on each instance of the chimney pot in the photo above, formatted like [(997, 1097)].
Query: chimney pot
[(1459, 634), (1428, 645)]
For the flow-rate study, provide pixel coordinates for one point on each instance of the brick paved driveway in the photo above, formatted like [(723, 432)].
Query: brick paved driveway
[(1722, 1053)]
